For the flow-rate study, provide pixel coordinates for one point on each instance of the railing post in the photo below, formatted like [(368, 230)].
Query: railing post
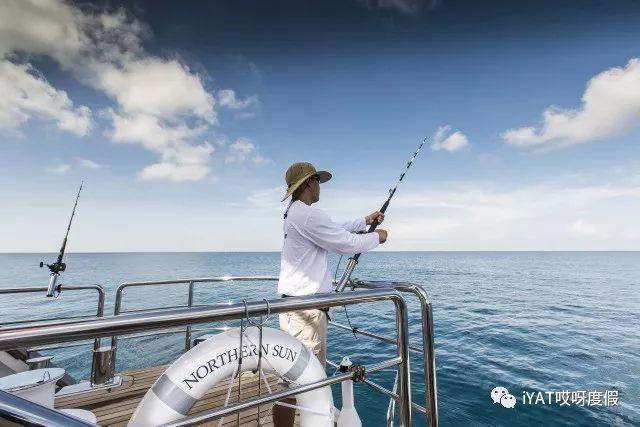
[(404, 376), (187, 334), (428, 351), (116, 311), (99, 313), (429, 364), (103, 366)]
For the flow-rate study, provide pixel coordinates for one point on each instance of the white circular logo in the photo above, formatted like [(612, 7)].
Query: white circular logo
[(501, 395)]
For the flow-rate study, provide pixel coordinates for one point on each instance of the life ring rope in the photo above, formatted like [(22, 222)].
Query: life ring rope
[(289, 405), (290, 376)]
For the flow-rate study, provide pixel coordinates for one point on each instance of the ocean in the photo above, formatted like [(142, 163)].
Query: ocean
[(559, 330)]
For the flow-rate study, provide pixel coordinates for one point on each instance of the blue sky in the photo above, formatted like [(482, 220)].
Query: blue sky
[(182, 121)]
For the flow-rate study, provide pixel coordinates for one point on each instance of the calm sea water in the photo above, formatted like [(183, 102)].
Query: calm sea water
[(527, 321)]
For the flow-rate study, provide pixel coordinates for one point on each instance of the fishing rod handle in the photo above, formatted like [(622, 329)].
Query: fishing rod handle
[(375, 222)]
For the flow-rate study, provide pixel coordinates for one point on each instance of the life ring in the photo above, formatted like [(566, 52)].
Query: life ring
[(198, 370)]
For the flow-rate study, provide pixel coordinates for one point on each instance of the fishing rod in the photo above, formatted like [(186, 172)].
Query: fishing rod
[(353, 261), (58, 267)]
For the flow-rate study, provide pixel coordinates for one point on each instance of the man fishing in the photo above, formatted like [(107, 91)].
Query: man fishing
[(309, 234)]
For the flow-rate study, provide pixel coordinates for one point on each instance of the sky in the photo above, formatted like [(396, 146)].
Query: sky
[(183, 118)]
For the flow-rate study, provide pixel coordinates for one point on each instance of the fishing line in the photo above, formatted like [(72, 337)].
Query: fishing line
[(346, 313), (335, 275), (353, 261)]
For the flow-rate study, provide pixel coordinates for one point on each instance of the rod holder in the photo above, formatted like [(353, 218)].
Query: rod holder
[(103, 366), (52, 290), (346, 274)]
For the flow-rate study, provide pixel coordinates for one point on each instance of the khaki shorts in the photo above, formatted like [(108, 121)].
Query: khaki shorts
[(308, 327)]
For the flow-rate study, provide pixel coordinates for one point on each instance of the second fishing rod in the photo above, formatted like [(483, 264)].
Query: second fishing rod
[(353, 261)]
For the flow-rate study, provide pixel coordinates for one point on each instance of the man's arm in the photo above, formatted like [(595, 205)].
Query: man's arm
[(322, 231), (360, 224), (354, 225)]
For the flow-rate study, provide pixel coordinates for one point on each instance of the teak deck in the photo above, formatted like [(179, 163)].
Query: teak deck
[(115, 407)]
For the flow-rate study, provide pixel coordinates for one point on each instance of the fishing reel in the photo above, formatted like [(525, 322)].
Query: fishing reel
[(53, 290), (55, 268)]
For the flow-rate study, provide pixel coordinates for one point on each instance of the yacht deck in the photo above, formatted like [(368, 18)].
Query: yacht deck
[(115, 407)]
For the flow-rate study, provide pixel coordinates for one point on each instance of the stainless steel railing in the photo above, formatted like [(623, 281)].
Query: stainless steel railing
[(58, 332), (67, 288), (206, 416), (426, 350), (17, 411), (191, 283), (37, 289), (101, 366)]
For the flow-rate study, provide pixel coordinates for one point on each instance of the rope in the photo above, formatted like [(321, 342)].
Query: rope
[(260, 362), (335, 275), (238, 372), (258, 325), (286, 212), (289, 405), (262, 375), (354, 330), (240, 361), (226, 400)]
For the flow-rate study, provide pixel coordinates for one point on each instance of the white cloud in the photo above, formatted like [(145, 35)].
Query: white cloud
[(582, 228), (153, 86), (59, 168), (258, 159), (150, 131), (610, 105), (517, 203), (87, 163), (469, 216), (243, 150), (26, 94), (523, 218), (161, 104), (443, 139), (239, 151), (176, 172), (46, 27), (181, 159), (74, 36), (227, 98), (268, 198)]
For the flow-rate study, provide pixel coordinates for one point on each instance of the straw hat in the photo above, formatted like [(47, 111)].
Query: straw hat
[(298, 173)]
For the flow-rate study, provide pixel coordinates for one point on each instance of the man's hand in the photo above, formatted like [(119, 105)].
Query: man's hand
[(376, 216), (382, 235)]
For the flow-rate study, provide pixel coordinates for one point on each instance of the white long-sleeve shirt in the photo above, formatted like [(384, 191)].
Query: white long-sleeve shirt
[(309, 234)]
